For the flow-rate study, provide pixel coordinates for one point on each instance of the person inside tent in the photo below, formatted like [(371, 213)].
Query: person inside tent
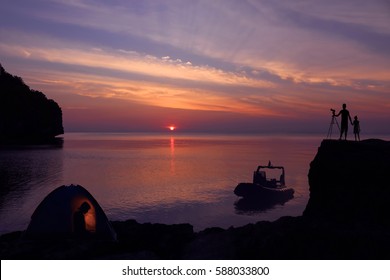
[(79, 225)]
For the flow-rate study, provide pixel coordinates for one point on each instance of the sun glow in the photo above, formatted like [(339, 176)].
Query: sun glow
[(171, 127)]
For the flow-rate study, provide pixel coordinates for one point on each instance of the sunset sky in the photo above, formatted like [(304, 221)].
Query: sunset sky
[(224, 66)]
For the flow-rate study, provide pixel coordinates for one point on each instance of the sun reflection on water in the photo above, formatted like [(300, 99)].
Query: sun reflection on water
[(172, 161)]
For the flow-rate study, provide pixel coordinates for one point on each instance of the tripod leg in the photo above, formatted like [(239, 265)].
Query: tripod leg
[(330, 129), (337, 123)]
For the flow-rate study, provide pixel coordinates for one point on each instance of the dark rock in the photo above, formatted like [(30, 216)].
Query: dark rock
[(349, 182), (134, 241), (164, 241), (26, 115)]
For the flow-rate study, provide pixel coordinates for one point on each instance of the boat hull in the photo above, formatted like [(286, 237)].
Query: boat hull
[(250, 190)]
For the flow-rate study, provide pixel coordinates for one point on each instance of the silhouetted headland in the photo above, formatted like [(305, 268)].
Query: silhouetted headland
[(26, 115), (346, 218)]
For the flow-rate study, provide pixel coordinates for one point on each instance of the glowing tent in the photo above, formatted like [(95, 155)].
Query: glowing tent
[(69, 211)]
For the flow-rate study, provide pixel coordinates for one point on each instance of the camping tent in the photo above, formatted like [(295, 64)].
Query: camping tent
[(58, 215)]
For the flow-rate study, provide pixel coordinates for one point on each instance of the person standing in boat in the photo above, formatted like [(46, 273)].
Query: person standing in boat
[(344, 121)]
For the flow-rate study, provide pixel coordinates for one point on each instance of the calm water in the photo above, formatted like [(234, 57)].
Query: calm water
[(165, 178)]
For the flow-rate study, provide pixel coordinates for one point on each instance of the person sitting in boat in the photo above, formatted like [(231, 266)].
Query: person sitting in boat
[(272, 183)]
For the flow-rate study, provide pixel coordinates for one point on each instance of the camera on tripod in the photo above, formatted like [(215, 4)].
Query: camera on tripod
[(333, 111)]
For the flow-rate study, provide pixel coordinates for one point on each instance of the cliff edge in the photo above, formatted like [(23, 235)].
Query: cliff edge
[(26, 115)]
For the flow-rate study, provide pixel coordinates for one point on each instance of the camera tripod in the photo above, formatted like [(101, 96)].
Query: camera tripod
[(332, 122)]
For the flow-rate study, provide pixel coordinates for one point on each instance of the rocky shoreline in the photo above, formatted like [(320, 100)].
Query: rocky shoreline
[(346, 218)]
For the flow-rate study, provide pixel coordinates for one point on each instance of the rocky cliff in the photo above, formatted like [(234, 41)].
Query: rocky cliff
[(26, 115), (346, 218), (349, 182)]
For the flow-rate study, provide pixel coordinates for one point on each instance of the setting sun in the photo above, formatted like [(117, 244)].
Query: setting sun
[(171, 128)]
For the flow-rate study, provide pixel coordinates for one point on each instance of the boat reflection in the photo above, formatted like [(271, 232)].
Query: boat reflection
[(255, 205)]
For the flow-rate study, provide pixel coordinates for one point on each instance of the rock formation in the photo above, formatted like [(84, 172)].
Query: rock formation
[(26, 115), (349, 182)]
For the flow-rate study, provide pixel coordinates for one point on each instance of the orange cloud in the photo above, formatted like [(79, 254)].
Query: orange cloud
[(133, 62)]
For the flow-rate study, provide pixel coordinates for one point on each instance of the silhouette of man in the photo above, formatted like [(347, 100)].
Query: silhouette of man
[(344, 121), (80, 228)]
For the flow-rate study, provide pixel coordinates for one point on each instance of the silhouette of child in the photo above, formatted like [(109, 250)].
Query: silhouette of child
[(356, 128), (79, 225)]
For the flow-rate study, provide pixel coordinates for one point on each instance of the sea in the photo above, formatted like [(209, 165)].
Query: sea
[(165, 178)]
